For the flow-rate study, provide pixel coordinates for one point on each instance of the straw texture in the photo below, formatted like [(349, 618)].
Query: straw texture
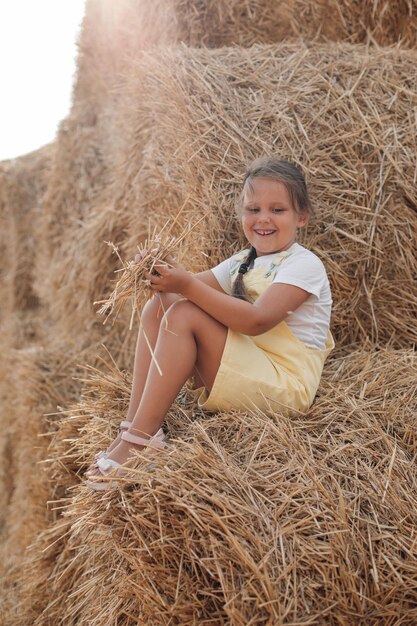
[(262, 21), (192, 118), (22, 184), (342, 113), (35, 381), (247, 519)]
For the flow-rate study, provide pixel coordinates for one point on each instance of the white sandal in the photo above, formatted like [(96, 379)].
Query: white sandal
[(105, 465), (124, 425), (103, 454)]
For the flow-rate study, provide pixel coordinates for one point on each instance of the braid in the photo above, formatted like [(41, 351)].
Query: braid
[(238, 287)]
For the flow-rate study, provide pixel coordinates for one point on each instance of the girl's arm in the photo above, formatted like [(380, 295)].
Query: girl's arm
[(244, 317), (209, 279)]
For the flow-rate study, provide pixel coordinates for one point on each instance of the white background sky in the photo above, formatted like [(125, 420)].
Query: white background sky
[(37, 70)]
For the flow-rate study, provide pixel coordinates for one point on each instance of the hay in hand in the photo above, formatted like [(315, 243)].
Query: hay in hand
[(154, 252)]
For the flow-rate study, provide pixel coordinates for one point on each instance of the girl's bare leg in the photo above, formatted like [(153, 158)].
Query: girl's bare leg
[(188, 338), (151, 317)]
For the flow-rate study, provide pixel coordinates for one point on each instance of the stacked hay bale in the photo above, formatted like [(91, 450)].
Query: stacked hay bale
[(357, 149), (84, 201), (352, 413), (249, 519), (242, 518), (113, 30), (331, 111), (22, 185), (37, 382)]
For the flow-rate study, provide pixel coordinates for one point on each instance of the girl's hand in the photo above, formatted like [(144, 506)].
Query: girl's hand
[(170, 279)]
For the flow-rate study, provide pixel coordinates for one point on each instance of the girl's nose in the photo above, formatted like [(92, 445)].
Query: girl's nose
[(263, 217)]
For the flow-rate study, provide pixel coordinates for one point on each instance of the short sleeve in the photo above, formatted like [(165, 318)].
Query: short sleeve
[(305, 271), (222, 275)]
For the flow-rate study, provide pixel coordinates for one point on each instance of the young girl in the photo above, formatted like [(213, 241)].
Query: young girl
[(253, 331)]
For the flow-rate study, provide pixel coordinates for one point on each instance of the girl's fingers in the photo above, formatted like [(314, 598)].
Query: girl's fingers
[(161, 269), (171, 261), (154, 279)]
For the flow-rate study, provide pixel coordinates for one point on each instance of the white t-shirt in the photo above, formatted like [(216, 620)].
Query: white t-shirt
[(302, 268)]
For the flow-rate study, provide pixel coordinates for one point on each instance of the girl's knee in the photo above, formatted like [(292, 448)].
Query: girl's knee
[(181, 311), (150, 310), (157, 306)]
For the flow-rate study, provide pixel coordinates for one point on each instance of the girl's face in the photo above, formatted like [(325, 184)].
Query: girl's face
[(269, 219)]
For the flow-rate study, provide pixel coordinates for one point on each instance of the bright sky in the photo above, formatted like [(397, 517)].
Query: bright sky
[(37, 70)]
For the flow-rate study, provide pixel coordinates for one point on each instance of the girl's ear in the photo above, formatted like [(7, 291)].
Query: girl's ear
[(302, 220)]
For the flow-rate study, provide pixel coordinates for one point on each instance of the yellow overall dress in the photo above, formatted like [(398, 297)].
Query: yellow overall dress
[(275, 371)]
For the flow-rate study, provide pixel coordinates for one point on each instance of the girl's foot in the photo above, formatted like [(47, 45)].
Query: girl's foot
[(114, 443), (123, 427), (120, 451), (121, 455)]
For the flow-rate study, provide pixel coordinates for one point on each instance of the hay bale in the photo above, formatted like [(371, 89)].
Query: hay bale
[(343, 113), (188, 120), (223, 22), (251, 519), (36, 380), (73, 227), (173, 129), (97, 156), (22, 184), (112, 33)]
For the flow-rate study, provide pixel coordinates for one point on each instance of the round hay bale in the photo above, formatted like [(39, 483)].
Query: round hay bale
[(343, 113), (34, 382), (249, 519), (22, 184)]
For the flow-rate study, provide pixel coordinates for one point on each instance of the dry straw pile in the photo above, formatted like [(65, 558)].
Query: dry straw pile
[(344, 114), (251, 519), (22, 184), (191, 118)]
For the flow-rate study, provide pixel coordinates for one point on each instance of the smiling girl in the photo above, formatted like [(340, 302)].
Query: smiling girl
[(253, 332)]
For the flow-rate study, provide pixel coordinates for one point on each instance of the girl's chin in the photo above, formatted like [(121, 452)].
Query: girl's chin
[(269, 247), (263, 248), (265, 252)]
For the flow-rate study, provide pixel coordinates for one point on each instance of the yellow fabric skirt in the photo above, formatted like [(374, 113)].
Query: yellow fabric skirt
[(248, 378)]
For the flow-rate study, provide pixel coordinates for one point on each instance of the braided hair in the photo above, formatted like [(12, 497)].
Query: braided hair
[(238, 287), (293, 179)]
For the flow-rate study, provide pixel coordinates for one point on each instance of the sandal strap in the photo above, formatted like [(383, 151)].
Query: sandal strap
[(154, 442), (126, 424), (105, 465)]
